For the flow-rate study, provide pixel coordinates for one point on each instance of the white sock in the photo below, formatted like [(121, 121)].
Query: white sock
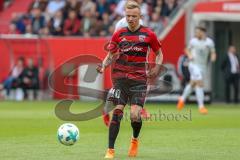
[(187, 91), (200, 96)]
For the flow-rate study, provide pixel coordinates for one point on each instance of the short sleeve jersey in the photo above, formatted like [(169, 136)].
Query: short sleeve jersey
[(132, 51), (200, 50)]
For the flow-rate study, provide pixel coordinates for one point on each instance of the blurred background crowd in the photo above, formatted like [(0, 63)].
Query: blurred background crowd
[(86, 18)]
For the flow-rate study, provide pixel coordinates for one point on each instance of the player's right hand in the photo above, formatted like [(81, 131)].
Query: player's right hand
[(100, 69)]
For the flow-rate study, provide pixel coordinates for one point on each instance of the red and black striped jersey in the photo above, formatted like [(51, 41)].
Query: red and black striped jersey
[(132, 51)]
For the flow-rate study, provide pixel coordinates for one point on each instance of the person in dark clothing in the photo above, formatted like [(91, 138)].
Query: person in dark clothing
[(38, 21), (29, 78), (183, 69), (168, 7), (56, 24), (231, 69)]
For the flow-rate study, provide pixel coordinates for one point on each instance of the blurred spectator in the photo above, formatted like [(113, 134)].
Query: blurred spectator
[(120, 8), (14, 75), (144, 11), (156, 23), (231, 69), (168, 7), (45, 31), (56, 24), (102, 7), (88, 5), (71, 5), (103, 25), (5, 4), (13, 29), (112, 5), (41, 4), (30, 78), (38, 21), (18, 21), (55, 5), (71, 24), (29, 31), (111, 29), (88, 24), (159, 6)]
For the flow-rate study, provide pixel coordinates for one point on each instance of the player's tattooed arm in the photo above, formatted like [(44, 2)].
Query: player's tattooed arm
[(106, 62)]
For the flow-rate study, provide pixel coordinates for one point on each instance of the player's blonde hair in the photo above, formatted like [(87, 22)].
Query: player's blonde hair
[(131, 4)]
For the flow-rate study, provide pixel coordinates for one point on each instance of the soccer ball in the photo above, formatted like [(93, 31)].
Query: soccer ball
[(68, 134)]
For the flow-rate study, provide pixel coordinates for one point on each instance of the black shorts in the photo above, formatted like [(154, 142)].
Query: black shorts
[(127, 90)]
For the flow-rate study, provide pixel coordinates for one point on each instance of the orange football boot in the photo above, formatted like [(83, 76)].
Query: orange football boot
[(109, 154), (133, 148), (203, 110), (180, 104)]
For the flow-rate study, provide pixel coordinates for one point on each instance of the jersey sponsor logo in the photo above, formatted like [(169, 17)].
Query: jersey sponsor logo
[(138, 49), (142, 38)]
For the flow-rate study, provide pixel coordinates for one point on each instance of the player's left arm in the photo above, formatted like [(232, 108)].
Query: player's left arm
[(156, 47), (158, 62), (159, 57)]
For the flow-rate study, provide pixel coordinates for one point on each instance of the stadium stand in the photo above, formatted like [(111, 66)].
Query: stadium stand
[(55, 17)]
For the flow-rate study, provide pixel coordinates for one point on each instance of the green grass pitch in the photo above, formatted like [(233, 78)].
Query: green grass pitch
[(28, 132)]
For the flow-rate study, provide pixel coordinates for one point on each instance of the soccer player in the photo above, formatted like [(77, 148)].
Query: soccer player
[(198, 52), (129, 73), (144, 113)]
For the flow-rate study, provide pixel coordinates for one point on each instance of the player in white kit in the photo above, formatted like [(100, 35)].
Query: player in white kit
[(199, 49)]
